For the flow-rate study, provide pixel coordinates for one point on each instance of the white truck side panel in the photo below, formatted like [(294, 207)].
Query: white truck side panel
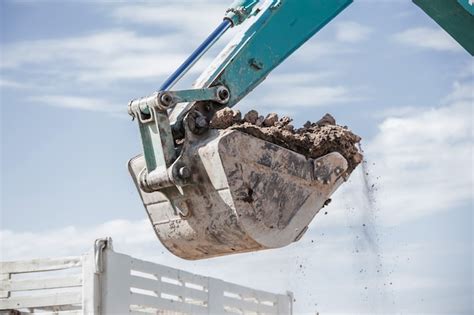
[(105, 282)]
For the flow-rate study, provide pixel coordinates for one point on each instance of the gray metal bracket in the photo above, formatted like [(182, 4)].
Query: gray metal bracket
[(157, 138)]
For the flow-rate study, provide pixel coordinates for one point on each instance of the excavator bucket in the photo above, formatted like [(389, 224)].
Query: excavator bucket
[(244, 194), (212, 192)]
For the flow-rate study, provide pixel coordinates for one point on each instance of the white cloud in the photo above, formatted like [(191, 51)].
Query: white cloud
[(78, 102), (284, 91), (196, 18), (318, 48), (306, 96), (99, 57), (80, 48), (424, 160), (298, 78), (461, 92), (428, 38), (401, 111), (467, 71), (11, 84), (71, 240), (352, 32)]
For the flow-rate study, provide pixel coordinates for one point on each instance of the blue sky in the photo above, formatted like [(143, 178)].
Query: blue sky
[(383, 68)]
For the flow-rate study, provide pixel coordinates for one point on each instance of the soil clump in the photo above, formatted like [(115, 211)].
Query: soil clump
[(313, 140)]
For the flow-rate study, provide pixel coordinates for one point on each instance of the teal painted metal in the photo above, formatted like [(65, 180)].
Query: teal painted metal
[(171, 98), (157, 141), (455, 17), (468, 5), (278, 31), (208, 94)]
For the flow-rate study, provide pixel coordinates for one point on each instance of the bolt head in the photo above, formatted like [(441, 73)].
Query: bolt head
[(197, 123), (166, 99), (201, 122), (184, 172), (223, 95)]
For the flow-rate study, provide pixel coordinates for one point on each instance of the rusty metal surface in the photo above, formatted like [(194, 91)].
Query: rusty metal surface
[(244, 194)]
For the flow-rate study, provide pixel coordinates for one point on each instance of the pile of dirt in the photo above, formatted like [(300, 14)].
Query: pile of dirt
[(312, 140)]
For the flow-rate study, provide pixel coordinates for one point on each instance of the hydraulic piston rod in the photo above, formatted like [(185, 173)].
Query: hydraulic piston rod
[(236, 14), (196, 55)]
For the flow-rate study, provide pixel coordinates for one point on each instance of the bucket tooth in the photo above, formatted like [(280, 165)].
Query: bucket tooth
[(245, 194)]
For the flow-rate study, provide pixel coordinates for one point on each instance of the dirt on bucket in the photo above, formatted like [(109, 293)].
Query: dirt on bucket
[(313, 140)]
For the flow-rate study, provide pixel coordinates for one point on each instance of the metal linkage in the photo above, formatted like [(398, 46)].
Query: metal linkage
[(162, 101), (157, 138), (219, 94)]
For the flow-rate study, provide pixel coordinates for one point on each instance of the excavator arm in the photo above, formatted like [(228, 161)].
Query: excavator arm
[(212, 192)]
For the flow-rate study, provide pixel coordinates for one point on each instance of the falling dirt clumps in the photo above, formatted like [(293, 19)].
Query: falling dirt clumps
[(312, 140)]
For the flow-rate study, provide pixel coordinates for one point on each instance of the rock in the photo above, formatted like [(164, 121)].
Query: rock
[(326, 120), (222, 119), (251, 117), (259, 121), (285, 120), (270, 120), (237, 116), (358, 158)]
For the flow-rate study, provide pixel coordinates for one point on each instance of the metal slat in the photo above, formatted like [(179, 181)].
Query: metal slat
[(249, 306), (40, 284), (41, 300), (245, 292), (61, 312), (164, 304), (152, 268), (167, 288), (35, 265), (76, 312), (163, 271), (56, 308)]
